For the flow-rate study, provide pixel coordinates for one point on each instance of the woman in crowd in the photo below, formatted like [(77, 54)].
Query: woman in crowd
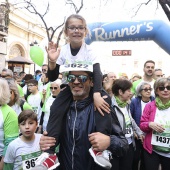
[(143, 96), (122, 94), (8, 120), (155, 123), (16, 102)]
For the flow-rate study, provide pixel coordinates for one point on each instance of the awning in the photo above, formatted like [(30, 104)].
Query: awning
[(19, 59)]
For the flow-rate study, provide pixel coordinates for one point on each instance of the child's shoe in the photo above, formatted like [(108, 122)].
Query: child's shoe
[(101, 158)]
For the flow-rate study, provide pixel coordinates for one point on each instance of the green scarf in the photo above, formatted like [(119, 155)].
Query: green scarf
[(160, 105), (120, 103)]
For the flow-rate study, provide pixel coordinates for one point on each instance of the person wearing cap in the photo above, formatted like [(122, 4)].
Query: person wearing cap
[(83, 127)]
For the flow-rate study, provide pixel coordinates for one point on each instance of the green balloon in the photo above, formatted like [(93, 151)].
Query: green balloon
[(37, 55)]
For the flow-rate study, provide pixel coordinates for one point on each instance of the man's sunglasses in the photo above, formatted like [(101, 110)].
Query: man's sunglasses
[(162, 88), (51, 88), (81, 78)]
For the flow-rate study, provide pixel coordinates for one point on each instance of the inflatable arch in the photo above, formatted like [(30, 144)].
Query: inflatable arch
[(156, 30)]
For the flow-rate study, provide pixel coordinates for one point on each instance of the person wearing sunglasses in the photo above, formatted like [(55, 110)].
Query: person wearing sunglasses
[(83, 127), (54, 91), (143, 96), (155, 122), (44, 68)]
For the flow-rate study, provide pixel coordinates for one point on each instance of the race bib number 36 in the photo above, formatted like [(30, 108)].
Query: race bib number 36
[(28, 160)]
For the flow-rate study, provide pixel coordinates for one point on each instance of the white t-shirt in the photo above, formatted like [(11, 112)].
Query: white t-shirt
[(85, 58), (129, 130), (25, 89), (34, 101), (85, 54), (23, 154), (48, 104), (17, 108), (143, 104), (162, 139)]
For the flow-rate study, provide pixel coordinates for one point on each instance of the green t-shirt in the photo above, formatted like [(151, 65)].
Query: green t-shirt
[(21, 93), (9, 129)]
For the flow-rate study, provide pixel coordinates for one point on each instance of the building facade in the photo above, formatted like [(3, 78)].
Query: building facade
[(23, 29)]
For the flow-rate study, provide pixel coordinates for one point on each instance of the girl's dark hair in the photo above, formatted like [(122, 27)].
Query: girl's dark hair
[(27, 114), (120, 84)]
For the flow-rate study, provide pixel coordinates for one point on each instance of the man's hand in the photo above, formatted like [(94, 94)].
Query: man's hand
[(99, 141), (100, 103), (46, 142)]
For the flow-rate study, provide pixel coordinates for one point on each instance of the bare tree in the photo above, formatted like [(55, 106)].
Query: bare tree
[(30, 7), (165, 4)]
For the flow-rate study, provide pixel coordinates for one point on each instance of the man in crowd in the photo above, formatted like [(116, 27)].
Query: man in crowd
[(108, 81), (78, 130), (148, 70), (44, 68), (158, 73)]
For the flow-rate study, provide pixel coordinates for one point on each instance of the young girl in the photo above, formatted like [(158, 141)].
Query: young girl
[(76, 53), (24, 150)]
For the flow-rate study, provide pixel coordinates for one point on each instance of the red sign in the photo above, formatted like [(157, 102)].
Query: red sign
[(121, 52)]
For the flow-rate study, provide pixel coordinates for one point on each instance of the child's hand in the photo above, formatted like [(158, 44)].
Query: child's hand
[(100, 103), (53, 51)]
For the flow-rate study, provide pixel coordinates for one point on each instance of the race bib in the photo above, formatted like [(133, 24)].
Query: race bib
[(78, 66), (129, 132), (28, 160), (161, 139)]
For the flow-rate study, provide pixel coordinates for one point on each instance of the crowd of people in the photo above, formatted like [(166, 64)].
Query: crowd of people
[(69, 116)]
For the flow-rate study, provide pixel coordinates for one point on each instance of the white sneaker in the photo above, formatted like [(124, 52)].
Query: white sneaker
[(46, 162), (101, 158)]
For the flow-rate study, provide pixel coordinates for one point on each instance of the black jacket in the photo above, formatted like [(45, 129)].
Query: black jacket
[(74, 143)]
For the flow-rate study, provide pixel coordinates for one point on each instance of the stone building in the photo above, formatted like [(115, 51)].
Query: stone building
[(15, 39)]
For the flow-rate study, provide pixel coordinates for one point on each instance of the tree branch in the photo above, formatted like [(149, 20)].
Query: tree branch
[(139, 6), (77, 10)]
